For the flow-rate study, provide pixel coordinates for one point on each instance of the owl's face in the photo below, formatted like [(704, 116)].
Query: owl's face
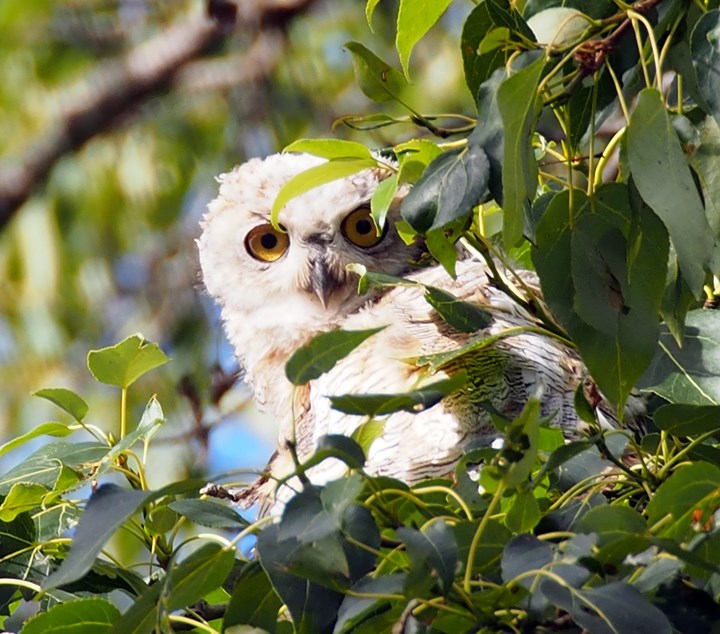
[(295, 279)]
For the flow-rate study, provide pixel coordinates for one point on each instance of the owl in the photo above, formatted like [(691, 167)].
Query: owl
[(277, 289)]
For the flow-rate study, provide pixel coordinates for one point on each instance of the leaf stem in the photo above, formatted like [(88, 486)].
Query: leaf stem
[(123, 412), (478, 534)]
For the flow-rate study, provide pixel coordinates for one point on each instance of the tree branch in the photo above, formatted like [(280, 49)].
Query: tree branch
[(151, 68)]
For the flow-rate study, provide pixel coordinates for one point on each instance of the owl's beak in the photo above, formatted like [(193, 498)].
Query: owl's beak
[(322, 281)]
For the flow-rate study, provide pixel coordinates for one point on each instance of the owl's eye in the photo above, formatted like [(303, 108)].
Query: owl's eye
[(359, 228), (265, 243)]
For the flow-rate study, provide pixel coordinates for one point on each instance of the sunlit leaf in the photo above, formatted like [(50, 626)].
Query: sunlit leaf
[(66, 400), (415, 18), (314, 177), (50, 429), (125, 362), (92, 615), (378, 80), (330, 148)]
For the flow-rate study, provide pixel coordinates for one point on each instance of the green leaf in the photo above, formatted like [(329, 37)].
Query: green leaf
[(382, 199), (337, 446), (125, 362), (415, 401), (687, 420), (615, 255), (415, 18), (452, 185), (141, 616), (108, 508), (253, 601), (524, 514), (66, 400), (330, 149), (367, 433), (322, 352), (314, 177), (369, 595), (21, 497), (432, 552), (461, 315), (613, 607), (689, 374), (521, 445), (613, 523), (198, 574), (706, 60), (208, 512), (378, 80), (662, 176), (81, 616), (55, 466), (692, 486), (50, 429), (519, 107)]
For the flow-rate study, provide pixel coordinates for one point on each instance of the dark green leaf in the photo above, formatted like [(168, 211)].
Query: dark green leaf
[(451, 186), (520, 107), (253, 601), (141, 616), (662, 176), (81, 616), (611, 523), (322, 352), (108, 508), (340, 447), (208, 512), (478, 67), (379, 81), (490, 547), (66, 400), (356, 608), (381, 404), (706, 60), (687, 420), (198, 574), (688, 374), (692, 486), (432, 551), (614, 607), (460, 315), (523, 554), (125, 362)]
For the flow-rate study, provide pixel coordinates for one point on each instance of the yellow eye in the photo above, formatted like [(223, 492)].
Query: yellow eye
[(265, 243), (359, 228)]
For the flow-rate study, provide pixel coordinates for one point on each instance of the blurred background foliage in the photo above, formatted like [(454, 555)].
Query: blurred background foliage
[(103, 246)]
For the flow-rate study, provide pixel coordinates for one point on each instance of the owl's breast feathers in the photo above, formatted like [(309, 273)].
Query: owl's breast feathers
[(501, 377)]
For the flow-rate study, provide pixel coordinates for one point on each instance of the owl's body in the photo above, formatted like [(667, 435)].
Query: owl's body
[(277, 292)]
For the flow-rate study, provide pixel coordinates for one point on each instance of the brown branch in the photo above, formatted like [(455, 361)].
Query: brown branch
[(117, 87), (110, 91)]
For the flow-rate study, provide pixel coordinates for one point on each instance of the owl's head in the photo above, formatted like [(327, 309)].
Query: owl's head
[(295, 279)]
